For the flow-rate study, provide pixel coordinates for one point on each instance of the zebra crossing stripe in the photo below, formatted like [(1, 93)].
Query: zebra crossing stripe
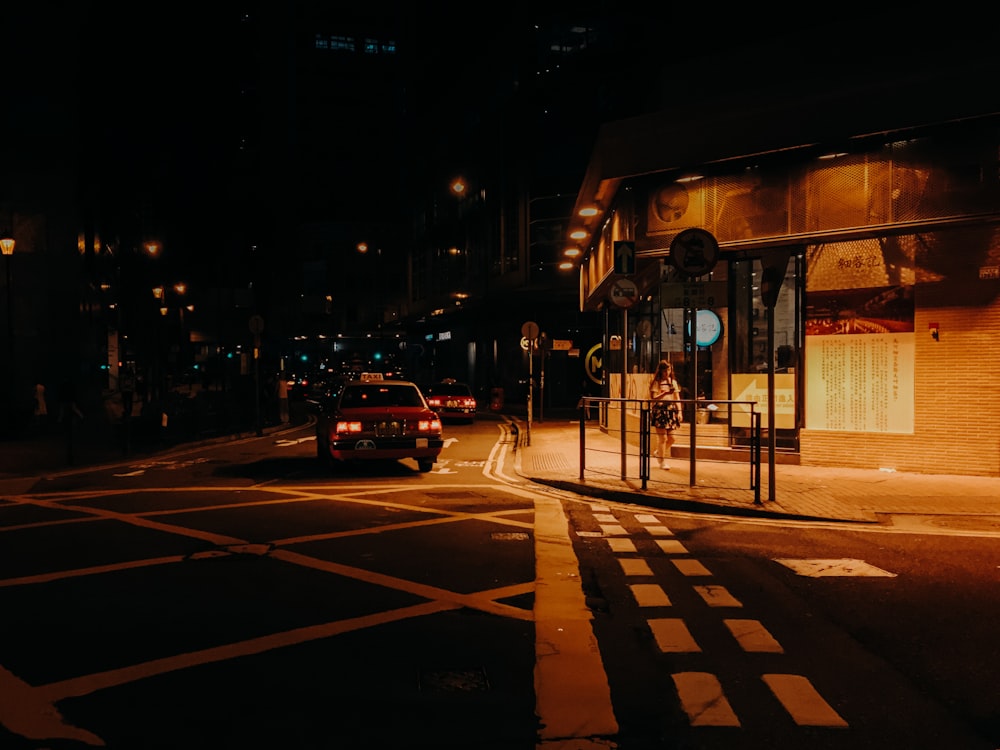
[(717, 596), (635, 567), (802, 701), (673, 636), (649, 595), (659, 531), (691, 568), (702, 700), (621, 545), (753, 636), (671, 547)]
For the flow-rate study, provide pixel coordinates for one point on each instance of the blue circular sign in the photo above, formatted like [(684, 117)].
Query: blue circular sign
[(709, 328)]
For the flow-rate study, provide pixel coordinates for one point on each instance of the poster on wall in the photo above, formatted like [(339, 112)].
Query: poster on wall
[(859, 360)]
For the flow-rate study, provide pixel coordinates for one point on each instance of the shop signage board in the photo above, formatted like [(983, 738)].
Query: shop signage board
[(693, 294)]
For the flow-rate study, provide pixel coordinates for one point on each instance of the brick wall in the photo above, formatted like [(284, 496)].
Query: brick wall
[(956, 390)]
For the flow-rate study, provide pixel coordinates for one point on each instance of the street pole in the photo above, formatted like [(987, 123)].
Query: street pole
[(7, 248)]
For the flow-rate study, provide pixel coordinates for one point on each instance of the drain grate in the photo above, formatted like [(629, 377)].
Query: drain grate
[(471, 680)]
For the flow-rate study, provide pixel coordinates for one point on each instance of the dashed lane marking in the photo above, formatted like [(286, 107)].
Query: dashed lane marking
[(801, 700), (700, 693), (634, 567), (621, 545), (717, 596), (703, 701), (649, 595), (691, 568), (752, 636), (671, 546), (672, 636), (613, 529), (659, 530)]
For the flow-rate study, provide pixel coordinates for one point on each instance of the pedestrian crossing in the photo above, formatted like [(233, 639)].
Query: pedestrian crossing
[(701, 693)]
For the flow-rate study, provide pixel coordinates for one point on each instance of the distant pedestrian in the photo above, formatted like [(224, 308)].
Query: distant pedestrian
[(282, 398), (41, 407), (665, 414)]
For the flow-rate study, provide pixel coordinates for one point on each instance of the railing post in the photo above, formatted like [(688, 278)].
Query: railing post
[(755, 454)]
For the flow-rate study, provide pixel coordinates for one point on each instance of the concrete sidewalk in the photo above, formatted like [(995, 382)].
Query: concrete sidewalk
[(552, 457)]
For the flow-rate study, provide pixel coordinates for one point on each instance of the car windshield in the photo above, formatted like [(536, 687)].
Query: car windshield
[(380, 394)]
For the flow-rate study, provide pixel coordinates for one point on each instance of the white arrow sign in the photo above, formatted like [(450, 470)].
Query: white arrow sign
[(285, 442), (840, 567)]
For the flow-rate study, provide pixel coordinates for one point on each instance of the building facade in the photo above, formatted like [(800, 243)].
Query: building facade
[(850, 281)]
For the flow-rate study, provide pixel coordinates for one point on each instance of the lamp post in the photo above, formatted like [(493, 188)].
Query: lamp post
[(7, 248)]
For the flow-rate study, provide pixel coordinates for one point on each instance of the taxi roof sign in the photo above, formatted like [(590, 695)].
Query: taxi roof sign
[(369, 377)]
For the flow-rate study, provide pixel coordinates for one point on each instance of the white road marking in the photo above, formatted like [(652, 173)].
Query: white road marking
[(649, 595), (671, 547), (753, 636), (702, 700), (691, 568), (673, 636), (802, 701), (717, 596), (285, 442), (839, 567), (613, 530), (621, 545), (632, 567), (25, 711), (136, 473), (659, 530)]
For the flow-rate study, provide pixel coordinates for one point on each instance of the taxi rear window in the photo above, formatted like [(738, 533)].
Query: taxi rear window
[(375, 394)]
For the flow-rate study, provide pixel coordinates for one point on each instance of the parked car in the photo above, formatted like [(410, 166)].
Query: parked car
[(377, 419), (451, 400)]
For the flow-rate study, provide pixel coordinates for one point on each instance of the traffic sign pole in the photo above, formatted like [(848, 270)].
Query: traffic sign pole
[(530, 331)]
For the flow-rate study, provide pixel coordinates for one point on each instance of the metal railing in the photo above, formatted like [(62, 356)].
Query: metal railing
[(639, 412)]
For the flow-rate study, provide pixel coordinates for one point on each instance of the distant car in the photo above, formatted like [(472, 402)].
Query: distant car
[(452, 400), (376, 419)]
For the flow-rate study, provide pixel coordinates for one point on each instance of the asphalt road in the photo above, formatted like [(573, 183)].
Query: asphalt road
[(244, 596)]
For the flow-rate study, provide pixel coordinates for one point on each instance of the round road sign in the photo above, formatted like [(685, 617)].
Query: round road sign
[(624, 292), (694, 251)]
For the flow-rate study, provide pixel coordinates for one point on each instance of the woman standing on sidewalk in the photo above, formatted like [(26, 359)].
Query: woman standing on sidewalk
[(664, 392)]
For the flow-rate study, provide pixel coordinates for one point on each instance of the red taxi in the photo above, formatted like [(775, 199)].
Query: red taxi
[(377, 419), (451, 399)]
